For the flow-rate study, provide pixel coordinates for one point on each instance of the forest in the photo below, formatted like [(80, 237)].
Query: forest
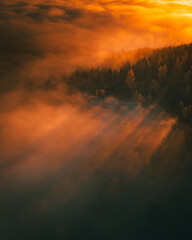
[(163, 77)]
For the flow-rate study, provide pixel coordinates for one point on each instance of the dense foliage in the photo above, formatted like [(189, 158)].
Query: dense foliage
[(164, 77)]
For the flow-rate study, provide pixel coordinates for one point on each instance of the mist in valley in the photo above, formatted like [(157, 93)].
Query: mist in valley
[(82, 166), (95, 120)]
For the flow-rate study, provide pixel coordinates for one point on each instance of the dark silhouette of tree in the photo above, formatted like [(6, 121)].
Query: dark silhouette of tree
[(164, 76), (130, 80)]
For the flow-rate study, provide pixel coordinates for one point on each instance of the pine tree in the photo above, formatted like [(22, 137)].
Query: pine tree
[(130, 80)]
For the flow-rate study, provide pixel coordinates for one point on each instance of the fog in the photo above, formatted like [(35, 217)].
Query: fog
[(75, 165), (57, 36), (47, 135)]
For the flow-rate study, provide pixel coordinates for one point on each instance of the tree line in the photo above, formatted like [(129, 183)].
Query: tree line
[(163, 77)]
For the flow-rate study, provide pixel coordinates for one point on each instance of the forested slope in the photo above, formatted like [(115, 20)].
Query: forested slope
[(163, 77)]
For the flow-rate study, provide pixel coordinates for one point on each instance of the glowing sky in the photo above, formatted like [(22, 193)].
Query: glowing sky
[(83, 32)]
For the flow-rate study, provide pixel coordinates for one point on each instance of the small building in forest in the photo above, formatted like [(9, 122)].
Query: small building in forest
[(100, 92)]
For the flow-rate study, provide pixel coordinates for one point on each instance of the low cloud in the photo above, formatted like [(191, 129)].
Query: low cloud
[(66, 34)]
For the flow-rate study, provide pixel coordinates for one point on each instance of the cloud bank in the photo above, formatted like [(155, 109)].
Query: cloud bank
[(58, 35)]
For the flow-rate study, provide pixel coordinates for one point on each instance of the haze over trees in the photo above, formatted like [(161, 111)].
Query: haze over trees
[(163, 77)]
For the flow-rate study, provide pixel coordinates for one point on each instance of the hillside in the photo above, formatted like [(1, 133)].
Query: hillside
[(163, 77)]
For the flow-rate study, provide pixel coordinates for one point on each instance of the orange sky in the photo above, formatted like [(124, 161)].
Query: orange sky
[(82, 32)]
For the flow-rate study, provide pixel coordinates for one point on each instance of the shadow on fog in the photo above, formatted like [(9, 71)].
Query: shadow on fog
[(106, 170)]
